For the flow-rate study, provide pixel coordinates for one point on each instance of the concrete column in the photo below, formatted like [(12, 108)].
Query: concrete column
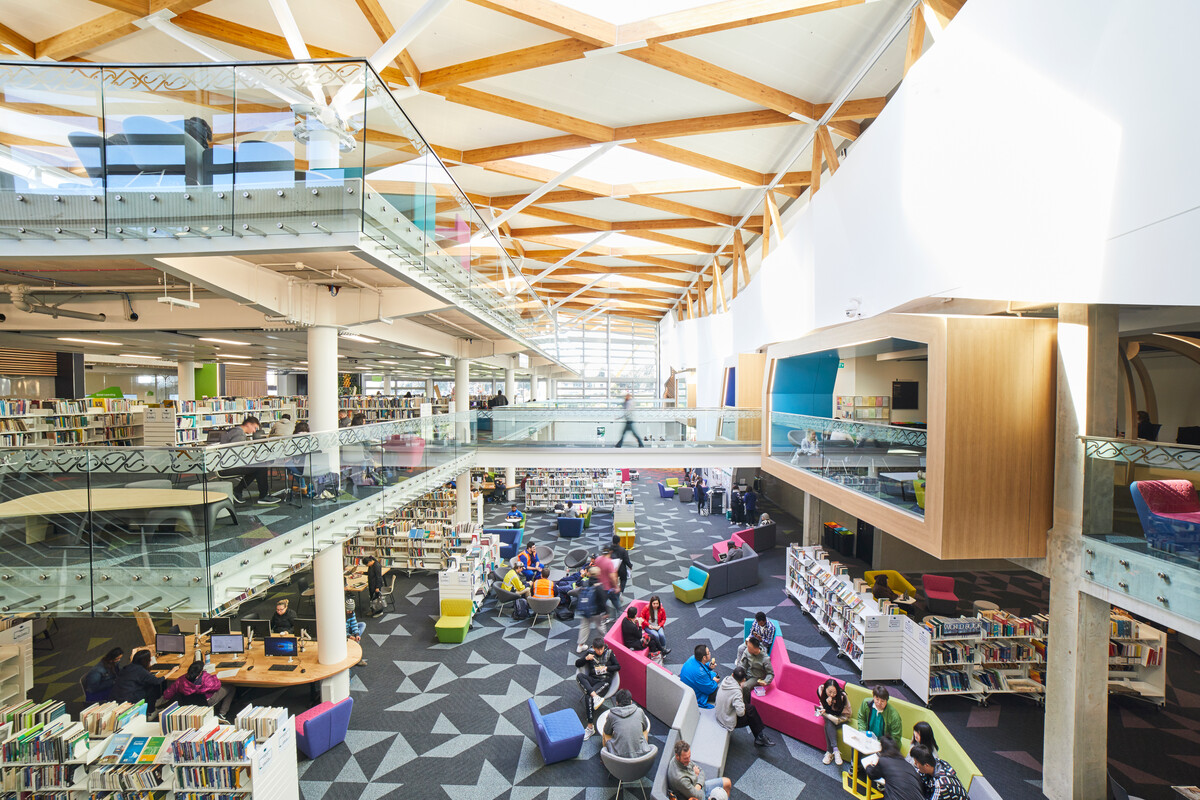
[(462, 395), (812, 520), (510, 384), (510, 480), (331, 619), (187, 380), (541, 391), (322, 379), (429, 389), (462, 509), (552, 388), (1076, 734)]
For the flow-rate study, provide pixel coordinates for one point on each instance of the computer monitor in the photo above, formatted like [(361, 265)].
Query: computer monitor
[(170, 644), (227, 643), (280, 646)]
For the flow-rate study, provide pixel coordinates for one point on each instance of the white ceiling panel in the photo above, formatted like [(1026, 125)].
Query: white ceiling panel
[(463, 32)]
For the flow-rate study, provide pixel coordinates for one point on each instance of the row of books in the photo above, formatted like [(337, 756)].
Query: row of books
[(263, 720), (30, 712), (1121, 627), (102, 719), (54, 742), (954, 627), (950, 681), (1002, 623), (179, 718), (17, 779), (993, 652), (141, 777), (955, 653), (125, 748), (213, 743), (13, 408), (212, 777), (1141, 653)]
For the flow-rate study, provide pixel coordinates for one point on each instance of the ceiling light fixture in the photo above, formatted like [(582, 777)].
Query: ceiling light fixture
[(427, 353), (87, 341), (354, 337), (390, 363), (178, 302), (223, 341), (232, 355), (136, 355)]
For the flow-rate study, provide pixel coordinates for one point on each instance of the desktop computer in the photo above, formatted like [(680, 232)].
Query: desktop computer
[(222, 644), (281, 647)]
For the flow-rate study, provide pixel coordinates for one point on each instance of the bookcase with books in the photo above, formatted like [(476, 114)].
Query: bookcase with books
[(468, 571), (16, 661), (978, 656), (865, 408), (599, 488), (381, 409), (44, 752), (845, 611), (96, 422), (420, 536), (1137, 658)]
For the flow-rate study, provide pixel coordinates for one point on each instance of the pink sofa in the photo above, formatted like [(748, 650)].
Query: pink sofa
[(787, 705), (633, 662)]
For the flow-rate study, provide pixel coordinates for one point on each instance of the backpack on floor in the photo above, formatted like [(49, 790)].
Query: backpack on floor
[(520, 608), (564, 613)]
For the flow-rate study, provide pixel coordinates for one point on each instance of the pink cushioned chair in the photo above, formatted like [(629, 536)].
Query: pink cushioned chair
[(939, 594), (633, 662), (323, 727), (787, 705)]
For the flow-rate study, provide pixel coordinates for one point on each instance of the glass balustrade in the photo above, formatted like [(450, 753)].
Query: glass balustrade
[(883, 462), (90, 530), (186, 158), (604, 426)]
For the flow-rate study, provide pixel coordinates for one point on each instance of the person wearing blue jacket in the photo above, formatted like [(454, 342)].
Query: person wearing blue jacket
[(700, 675)]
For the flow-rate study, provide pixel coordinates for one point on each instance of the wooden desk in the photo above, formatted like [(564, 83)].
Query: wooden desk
[(37, 509), (355, 583), (261, 675)]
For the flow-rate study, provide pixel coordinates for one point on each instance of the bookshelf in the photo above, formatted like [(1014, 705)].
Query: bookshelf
[(467, 574), (95, 422), (865, 408), (599, 488), (845, 611), (16, 662), (381, 409), (1137, 658), (420, 536), (977, 656)]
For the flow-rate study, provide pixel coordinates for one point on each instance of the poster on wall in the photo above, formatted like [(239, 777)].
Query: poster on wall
[(349, 383)]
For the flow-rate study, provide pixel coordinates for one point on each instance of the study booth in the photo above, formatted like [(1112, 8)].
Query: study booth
[(963, 469)]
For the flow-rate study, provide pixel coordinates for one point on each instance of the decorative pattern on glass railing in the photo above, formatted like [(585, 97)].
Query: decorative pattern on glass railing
[(912, 437), (172, 79), (42, 76), (1139, 451), (519, 415)]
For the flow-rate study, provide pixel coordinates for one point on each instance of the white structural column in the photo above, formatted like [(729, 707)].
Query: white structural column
[(462, 508), (429, 389), (331, 620), (812, 520), (462, 395), (187, 380), (552, 388), (322, 379), (1076, 734), (510, 391)]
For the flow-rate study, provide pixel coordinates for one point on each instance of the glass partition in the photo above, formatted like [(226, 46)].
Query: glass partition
[(269, 150), (591, 426), (884, 462)]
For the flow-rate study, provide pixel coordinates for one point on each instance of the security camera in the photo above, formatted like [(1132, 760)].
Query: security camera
[(333, 290), (854, 311)]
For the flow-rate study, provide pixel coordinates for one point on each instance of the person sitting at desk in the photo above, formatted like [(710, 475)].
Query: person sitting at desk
[(284, 427), (136, 682), (354, 628), (900, 779), (98, 682), (876, 716), (939, 778), (200, 687), (284, 619), (528, 562), (515, 516), (499, 490)]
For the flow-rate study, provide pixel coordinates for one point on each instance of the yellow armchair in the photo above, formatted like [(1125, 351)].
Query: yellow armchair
[(896, 582), (919, 492)]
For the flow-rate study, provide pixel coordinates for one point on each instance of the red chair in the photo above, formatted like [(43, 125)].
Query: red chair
[(939, 594)]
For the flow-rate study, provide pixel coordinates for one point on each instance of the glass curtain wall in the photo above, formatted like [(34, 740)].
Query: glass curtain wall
[(614, 355)]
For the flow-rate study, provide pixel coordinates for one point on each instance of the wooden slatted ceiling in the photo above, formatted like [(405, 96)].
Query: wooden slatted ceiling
[(544, 244), (27, 362)]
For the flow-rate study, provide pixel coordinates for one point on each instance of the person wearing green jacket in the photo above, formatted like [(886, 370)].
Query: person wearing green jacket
[(876, 716)]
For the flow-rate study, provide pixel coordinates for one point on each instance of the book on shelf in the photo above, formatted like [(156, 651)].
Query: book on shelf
[(178, 718), (263, 721)]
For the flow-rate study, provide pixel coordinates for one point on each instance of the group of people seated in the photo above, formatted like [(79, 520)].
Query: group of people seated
[(730, 696), (108, 680)]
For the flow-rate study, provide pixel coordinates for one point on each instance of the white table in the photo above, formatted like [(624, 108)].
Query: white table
[(853, 782), (902, 478)]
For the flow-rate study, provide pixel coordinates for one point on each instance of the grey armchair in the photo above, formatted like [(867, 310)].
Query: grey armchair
[(576, 557), (542, 607), (503, 597), (629, 770), (545, 554)]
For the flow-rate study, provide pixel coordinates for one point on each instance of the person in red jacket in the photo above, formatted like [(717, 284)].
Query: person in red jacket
[(653, 617), (199, 682)]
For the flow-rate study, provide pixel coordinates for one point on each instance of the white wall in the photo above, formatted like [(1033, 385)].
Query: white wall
[(1176, 382), (1038, 151)]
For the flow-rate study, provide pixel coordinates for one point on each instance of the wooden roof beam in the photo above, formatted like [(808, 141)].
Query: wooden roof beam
[(378, 19), (541, 55), (20, 43), (691, 159), (104, 29), (554, 144), (560, 18), (722, 16)]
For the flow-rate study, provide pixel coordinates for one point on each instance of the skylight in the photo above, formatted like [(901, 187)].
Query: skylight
[(622, 12)]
